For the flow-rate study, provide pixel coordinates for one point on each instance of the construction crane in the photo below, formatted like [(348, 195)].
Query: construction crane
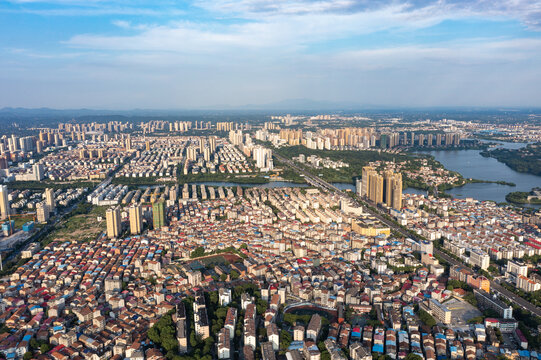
[(10, 216), (31, 214)]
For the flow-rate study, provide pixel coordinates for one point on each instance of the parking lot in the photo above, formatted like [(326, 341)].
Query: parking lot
[(461, 311)]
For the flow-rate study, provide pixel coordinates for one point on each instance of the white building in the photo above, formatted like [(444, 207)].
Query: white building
[(480, 258)]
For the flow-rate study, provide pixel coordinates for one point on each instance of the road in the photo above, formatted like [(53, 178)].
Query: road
[(317, 182)]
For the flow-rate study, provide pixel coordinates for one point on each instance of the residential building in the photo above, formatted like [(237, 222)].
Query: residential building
[(136, 219), (4, 202), (158, 214), (114, 224)]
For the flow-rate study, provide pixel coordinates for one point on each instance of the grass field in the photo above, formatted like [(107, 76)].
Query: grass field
[(20, 221), (81, 227)]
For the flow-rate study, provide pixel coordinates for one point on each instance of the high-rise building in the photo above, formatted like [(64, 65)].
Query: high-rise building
[(42, 212), (158, 214), (4, 202), (372, 185), (235, 137), (212, 143), (384, 141), (375, 187), (365, 179), (393, 189), (49, 199), (128, 143), (113, 222), (38, 172), (382, 189), (263, 158), (488, 301), (206, 154), (173, 193), (135, 219), (388, 183), (397, 192), (191, 153), (421, 139)]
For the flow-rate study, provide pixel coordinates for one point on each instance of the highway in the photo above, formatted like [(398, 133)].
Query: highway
[(317, 182)]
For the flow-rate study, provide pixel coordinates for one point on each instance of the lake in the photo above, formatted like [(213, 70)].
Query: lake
[(471, 164)]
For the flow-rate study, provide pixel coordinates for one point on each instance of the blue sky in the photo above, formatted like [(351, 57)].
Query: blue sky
[(123, 54)]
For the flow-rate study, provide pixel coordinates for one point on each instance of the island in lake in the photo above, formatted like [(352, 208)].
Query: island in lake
[(522, 197), (525, 160)]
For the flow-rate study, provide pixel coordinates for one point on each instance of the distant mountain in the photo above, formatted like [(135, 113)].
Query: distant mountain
[(305, 104), (289, 104)]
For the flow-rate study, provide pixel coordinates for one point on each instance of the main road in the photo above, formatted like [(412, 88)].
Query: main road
[(318, 182)]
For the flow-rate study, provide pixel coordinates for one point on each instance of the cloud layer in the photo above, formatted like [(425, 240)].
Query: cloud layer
[(203, 53)]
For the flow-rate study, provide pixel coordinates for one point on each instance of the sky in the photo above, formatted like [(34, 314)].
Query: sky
[(152, 54)]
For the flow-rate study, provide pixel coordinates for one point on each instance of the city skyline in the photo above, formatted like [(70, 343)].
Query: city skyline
[(191, 55)]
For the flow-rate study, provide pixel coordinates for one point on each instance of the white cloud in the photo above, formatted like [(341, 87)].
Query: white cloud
[(527, 11), (258, 51)]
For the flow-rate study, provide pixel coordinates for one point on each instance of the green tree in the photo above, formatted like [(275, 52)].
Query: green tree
[(426, 318), (412, 356), (223, 277), (350, 313), (207, 345), (261, 306), (169, 343), (323, 350), (213, 297), (285, 339), (193, 339), (234, 275), (198, 252), (44, 348), (221, 312), (34, 344), (476, 320), (163, 333), (27, 355)]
